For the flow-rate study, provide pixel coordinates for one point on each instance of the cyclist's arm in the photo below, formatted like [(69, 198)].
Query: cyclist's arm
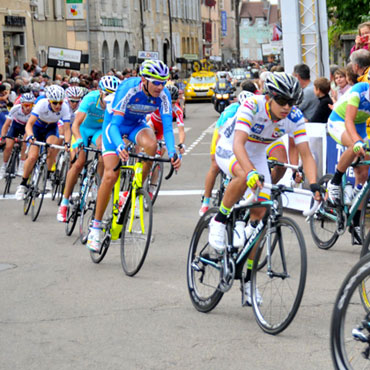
[(351, 112), (240, 138), (181, 134), (29, 125), (79, 118), (67, 132), (168, 134), (309, 164), (6, 126), (113, 128)]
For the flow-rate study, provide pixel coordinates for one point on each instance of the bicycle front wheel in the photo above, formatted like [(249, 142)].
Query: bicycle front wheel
[(136, 233), (39, 189), (349, 331), (323, 224), (155, 180), (203, 267), (282, 280)]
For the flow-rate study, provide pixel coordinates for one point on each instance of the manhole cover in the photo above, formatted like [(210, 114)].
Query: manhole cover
[(6, 266)]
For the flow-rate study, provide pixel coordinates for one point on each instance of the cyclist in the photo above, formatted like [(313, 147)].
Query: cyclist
[(43, 126), (241, 152), (74, 81), (14, 126), (135, 98), (155, 122), (347, 126), (87, 124)]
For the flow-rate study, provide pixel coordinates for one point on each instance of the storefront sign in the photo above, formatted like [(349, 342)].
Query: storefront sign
[(148, 55), (223, 23), (14, 21)]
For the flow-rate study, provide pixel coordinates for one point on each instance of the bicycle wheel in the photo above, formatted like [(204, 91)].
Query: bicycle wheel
[(218, 194), (203, 278), (107, 224), (323, 228), (62, 178), (72, 216), (282, 286), (349, 330), (39, 189), (365, 217), (29, 193), (10, 171), (154, 180), (136, 238)]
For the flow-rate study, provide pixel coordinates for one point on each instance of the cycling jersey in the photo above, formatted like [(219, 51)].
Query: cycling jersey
[(90, 105), (16, 115), (71, 111), (156, 120), (46, 116), (131, 100)]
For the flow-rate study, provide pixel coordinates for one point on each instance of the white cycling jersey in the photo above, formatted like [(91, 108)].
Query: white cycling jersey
[(16, 114), (45, 115)]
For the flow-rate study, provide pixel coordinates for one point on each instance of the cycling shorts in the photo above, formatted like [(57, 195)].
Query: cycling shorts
[(42, 133), (157, 128), (337, 128), (87, 132), (16, 129), (130, 131), (226, 161)]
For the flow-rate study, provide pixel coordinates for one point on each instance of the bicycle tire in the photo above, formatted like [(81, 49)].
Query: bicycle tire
[(203, 279), (135, 243), (216, 196), (288, 252), (107, 224), (365, 217), (348, 314), (157, 166), (56, 176), (63, 178), (323, 230), (29, 193), (39, 190), (10, 170), (72, 216)]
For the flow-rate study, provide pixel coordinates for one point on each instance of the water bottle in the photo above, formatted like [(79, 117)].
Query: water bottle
[(356, 190), (83, 187), (238, 237), (347, 196), (249, 230)]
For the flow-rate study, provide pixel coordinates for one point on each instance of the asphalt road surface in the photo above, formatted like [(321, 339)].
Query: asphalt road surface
[(58, 310)]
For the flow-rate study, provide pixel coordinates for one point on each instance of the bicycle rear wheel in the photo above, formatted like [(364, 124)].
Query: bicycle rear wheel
[(322, 224), (62, 178), (203, 276), (29, 193), (39, 189), (154, 180), (10, 171), (136, 238), (349, 331), (282, 285), (72, 216)]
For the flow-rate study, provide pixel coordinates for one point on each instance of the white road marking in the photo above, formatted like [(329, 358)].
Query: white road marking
[(199, 139)]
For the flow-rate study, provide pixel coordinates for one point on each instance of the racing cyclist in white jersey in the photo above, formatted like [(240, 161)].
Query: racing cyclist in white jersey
[(14, 127), (241, 152), (43, 126)]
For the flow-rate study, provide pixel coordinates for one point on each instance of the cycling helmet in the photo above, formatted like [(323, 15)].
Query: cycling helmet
[(84, 91), (243, 96), (74, 92), (55, 93), (174, 91), (109, 84), (35, 86), (27, 98), (281, 84), (154, 69), (74, 80)]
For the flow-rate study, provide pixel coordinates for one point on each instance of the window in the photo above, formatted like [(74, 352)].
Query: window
[(147, 5), (157, 6), (260, 22), (245, 22), (58, 10), (46, 9)]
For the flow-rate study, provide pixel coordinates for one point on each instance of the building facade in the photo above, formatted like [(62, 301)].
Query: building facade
[(228, 31)]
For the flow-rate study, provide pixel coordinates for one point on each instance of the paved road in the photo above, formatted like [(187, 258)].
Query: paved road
[(58, 310)]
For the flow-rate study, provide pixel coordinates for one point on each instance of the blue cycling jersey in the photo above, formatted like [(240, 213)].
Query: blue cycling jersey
[(90, 105), (229, 112), (131, 100)]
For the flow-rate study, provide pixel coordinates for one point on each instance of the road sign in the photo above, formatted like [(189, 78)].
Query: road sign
[(64, 58), (148, 55)]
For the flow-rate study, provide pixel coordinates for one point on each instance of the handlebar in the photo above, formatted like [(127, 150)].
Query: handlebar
[(88, 149), (273, 162)]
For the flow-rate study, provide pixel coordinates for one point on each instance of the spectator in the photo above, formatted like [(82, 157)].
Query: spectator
[(35, 64), (361, 64), (16, 72), (271, 62), (4, 94), (310, 101), (350, 75), (341, 83), (25, 70), (277, 68), (249, 85), (363, 38), (321, 89)]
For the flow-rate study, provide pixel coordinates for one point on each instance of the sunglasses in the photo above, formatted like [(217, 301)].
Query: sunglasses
[(27, 105), (56, 102), (74, 100), (283, 101), (156, 82)]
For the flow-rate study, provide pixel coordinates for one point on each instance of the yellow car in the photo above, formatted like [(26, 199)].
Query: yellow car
[(199, 86)]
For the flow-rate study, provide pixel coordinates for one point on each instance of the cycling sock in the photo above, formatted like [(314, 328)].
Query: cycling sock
[(49, 172), (24, 181), (96, 224), (249, 269), (206, 201), (337, 178), (356, 218), (65, 202), (222, 214)]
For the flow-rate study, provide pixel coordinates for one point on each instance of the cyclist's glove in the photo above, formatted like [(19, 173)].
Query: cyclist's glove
[(314, 188), (358, 145), (252, 178), (29, 138), (181, 146), (78, 143), (120, 148)]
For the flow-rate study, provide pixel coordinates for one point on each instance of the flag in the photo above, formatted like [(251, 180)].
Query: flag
[(276, 33)]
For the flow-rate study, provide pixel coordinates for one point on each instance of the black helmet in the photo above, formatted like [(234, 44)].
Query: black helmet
[(281, 84), (174, 91)]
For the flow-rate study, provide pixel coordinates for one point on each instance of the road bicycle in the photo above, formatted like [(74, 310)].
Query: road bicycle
[(330, 221), (13, 163), (59, 176), (279, 268), (127, 220), (36, 185), (83, 204), (350, 321)]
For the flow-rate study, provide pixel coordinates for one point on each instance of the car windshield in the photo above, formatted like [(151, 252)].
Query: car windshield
[(202, 80), (238, 72)]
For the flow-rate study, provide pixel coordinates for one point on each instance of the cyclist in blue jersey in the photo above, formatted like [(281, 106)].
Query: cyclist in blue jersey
[(87, 124), (43, 126), (135, 98)]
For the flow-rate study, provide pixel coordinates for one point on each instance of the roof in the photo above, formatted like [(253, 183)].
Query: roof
[(259, 9)]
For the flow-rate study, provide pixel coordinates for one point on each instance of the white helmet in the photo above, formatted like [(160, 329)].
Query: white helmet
[(55, 93), (243, 96), (74, 80), (74, 92)]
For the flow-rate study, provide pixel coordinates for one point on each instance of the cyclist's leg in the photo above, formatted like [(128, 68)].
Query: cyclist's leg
[(145, 138), (277, 152), (98, 141), (9, 143)]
